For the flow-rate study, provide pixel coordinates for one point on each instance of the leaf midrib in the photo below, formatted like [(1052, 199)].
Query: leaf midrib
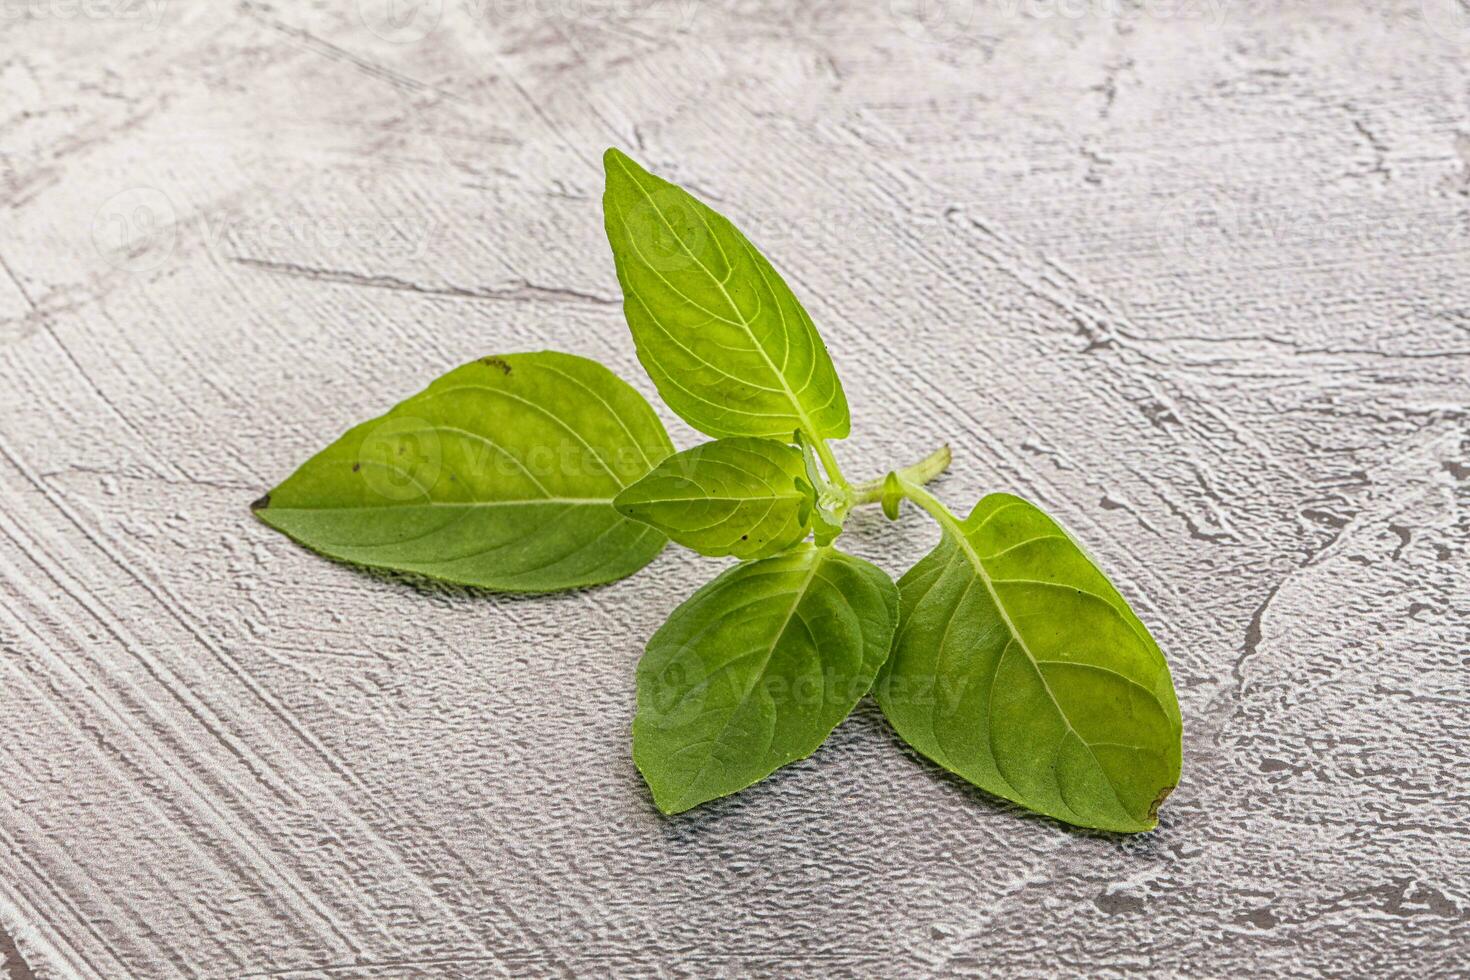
[(529, 501), (741, 499)]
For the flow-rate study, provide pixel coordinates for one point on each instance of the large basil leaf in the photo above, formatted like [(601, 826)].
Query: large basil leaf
[(500, 474), (1020, 667), (744, 497), (728, 345), (755, 670)]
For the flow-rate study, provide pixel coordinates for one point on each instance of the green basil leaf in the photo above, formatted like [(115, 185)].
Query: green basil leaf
[(501, 474), (755, 670), (1020, 667), (824, 529), (741, 497), (728, 345)]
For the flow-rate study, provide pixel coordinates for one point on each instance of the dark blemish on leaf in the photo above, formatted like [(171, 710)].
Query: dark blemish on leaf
[(744, 537), (356, 467), (1153, 808), (496, 362), (262, 503)]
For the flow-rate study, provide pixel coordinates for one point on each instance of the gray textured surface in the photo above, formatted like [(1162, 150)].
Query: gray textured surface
[(1193, 278)]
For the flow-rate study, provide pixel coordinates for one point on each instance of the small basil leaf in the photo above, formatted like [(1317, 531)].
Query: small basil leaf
[(824, 529), (813, 466), (1020, 667), (501, 474), (755, 670), (809, 493), (728, 345), (826, 499), (892, 496), (741, 497)]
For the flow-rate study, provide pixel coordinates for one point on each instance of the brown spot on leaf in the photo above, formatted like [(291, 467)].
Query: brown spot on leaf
[(356, 467), (1153, 808), (262, 503), (496, 362)]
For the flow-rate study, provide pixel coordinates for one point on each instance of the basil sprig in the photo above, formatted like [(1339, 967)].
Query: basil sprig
[(1005, 655)]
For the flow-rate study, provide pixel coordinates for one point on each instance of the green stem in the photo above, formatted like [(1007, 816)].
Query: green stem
[(829, 462), (931, 503), (915, 475)]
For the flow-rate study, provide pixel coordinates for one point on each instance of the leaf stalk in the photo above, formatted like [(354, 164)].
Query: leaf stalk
[(915, 475), (829, 462), (930, 503)]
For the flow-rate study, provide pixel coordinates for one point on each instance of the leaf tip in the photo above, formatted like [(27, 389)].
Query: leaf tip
[(612, 155), (626, 506), (665, 799), (668, 808)]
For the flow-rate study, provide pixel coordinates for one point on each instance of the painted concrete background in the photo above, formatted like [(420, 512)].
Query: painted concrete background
[(1193, 276)]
